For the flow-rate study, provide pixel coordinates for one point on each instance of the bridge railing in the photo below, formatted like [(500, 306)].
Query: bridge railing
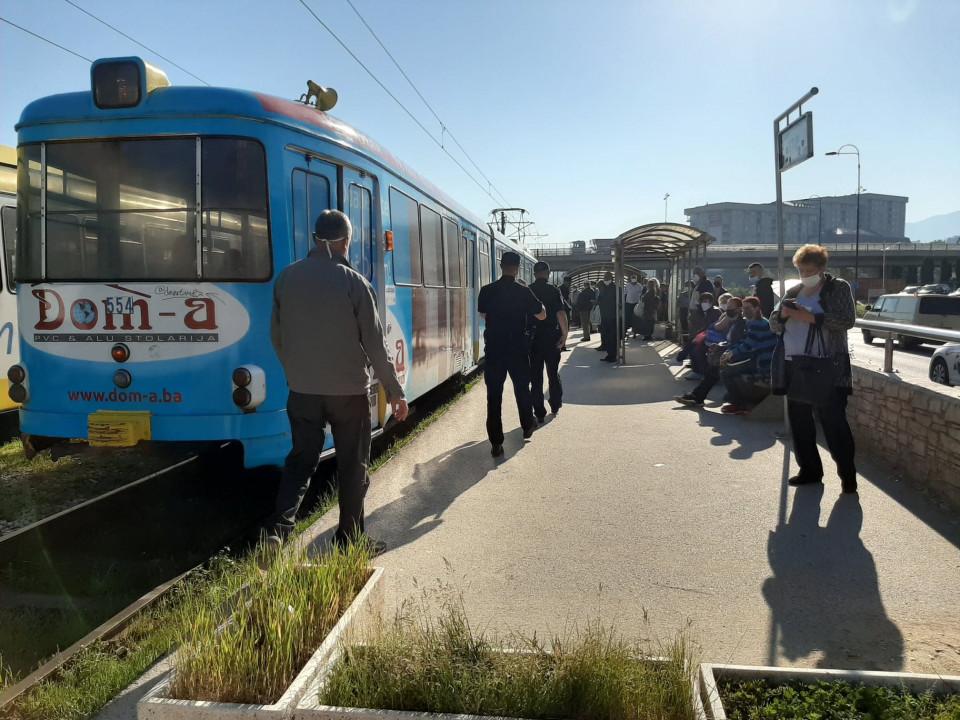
[(715, 248), (889, 331)]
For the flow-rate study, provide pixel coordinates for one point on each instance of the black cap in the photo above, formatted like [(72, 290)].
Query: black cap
[(510, 259), (540, 267), (332, 225)]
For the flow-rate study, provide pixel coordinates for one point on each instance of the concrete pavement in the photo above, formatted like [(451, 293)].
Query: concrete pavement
[(662, 517)]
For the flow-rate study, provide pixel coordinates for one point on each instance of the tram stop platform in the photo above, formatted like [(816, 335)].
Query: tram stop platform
[(630, 508)]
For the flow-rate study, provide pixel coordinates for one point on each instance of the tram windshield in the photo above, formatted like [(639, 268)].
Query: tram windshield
[(134, 209)]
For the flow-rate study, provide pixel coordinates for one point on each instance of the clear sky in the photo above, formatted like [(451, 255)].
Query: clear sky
[(585, 112)]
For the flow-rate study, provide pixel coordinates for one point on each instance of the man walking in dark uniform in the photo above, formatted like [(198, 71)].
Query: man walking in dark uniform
[(507, 308), (549, 338)]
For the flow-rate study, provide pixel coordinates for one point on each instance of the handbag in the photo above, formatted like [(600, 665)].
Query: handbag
[(813, 380), (595, 316)]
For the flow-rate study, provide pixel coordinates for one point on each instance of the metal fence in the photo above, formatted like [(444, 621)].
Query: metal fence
[(889, 331), (717, 249)]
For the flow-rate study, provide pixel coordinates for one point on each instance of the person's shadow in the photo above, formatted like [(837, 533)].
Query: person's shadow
[(824, 593), (435, 485)]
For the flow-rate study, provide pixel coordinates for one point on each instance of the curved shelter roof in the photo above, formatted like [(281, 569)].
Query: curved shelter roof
[(594, 272), (660, 241)]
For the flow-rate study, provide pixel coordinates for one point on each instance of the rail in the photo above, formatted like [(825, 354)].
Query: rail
[(889, 331), (716, 248)]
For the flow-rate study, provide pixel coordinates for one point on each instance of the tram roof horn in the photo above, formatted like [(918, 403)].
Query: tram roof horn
[(323, 98)]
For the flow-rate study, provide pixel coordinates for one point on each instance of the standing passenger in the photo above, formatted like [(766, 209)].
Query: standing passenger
[(631, 296), (565, 289), (326, 331), (763, 288), (607, 300), (507, 308), (548, 340), (649, 305), (585, 301)]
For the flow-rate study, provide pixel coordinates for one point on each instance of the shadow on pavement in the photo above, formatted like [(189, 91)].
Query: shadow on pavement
[(436, 484), (824, 593), (743, 437), (589, 381)]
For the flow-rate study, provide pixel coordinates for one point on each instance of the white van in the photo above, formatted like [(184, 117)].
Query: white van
[(935, 311)]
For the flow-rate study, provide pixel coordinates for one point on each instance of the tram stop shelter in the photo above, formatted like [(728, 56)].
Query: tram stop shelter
[(676, 249)]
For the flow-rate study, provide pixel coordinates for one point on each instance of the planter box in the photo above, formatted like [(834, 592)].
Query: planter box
[(710, 695), (366, 606), (309, 707)]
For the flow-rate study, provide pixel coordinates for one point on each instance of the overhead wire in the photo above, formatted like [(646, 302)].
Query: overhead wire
[(397, 100), (135, 41), (445, 128), (45, 39)]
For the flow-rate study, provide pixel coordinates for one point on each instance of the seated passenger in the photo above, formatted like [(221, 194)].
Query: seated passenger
[(725, 333), (703, 317), (746, 365)]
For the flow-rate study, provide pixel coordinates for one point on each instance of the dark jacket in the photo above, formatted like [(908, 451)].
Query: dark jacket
[(764, 293), (700, 320), (585, 299), (838, 316), (757, 344), (607, 300)]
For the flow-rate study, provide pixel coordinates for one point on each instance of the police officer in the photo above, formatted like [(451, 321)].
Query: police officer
[(550, 335), (507, 308)]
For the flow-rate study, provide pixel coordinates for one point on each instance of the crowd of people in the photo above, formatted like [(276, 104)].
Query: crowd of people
[(325, 316), (796, 348)]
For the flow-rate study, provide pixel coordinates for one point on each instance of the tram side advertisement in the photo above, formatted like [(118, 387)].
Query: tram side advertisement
[(157, 321)]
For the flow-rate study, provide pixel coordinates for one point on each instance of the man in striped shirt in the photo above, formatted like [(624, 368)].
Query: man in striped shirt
[(747, 363)]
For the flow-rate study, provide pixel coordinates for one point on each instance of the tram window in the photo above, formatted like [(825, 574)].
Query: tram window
[(28, 213), (361, 252), (451, 246), (432, 244), (484, 261), (8, 215), (233, 196), (311, 196), (405, 223), (121, 210)]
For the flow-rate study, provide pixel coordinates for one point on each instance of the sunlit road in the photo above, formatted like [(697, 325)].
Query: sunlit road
[(912, 364)]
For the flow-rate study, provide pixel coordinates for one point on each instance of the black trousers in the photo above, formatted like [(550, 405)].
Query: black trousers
[(833, 419), (629, 319), (349, 418), (745, 388), (497, 367), (711, 377), (547, 356), (608, 334)]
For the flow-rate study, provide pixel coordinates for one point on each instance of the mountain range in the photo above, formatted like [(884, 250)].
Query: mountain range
[(937, 227)]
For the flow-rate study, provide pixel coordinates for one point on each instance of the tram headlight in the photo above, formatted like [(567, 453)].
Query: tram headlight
[(120, 352), (16, 374), (122, 379), (249, 387)]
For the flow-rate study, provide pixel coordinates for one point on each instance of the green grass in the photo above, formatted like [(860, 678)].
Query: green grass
[(758, 700), (283, 617), (98, 673), (31, 490), (439, 663)]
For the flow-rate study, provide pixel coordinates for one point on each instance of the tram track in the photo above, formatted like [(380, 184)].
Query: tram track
[(49, 574)]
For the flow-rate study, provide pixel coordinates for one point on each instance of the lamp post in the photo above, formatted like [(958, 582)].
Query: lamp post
[(856, 254), (665, 197)]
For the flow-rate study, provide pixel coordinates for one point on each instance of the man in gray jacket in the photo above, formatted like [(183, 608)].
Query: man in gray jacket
[(326, 331)]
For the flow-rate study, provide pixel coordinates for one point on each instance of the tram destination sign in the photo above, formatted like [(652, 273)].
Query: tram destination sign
[(795, 142)]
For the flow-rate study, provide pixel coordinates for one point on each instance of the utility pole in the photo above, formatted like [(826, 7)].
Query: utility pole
[(665, 199)]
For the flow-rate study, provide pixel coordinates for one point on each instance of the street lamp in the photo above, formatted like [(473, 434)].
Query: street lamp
[(856, 255), (665, 207)]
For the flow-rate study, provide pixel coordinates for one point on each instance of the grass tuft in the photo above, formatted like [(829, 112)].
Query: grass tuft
[(426, 662), (279, 619)]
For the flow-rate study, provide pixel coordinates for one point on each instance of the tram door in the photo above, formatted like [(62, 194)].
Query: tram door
[(470, 281), (357, 194), (314, 190)]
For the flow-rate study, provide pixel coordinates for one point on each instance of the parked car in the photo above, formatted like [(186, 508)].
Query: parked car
[(934, 311), (935, 289), (945, 365)]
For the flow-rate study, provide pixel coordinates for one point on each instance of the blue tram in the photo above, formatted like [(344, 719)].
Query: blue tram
[(152, 221)]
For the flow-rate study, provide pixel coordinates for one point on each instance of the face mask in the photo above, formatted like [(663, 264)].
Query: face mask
[(705, 306), (811, 282), (723, 306)]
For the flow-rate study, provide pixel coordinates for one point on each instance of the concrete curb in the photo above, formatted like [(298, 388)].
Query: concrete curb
[(918, 683), (365, 606)]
